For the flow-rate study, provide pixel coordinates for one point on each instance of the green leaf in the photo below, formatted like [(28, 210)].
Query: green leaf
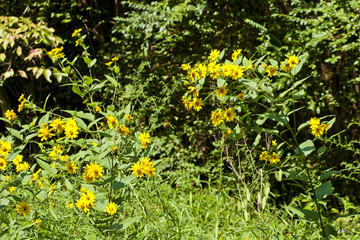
[(15, 133), (303, 125), (92, 63), (304, 213), (88, 81), (127, 222), (68, 185), (47, 74), (81, 123), (221, 54), (295, 110), (278, 175), (18, 51), (201, 82), (328, 174), (277, 118), (114, 227), (250, 83), (273, 63), (324, 190), (100, 204), (257, 140), (77, 90), (44, 119), (112, 80), (4, 202), (321, 150), (299, 94), (31, 136), (297, 68), (128, 108), (331, 122), (87, 60), (307, 147), (330, 231), (128, 179), (220, 82), (117, 185), (46, 167)]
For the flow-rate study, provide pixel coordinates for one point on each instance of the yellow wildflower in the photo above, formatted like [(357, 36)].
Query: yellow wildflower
[(217, 117), (271, 70), (23, 208), (221, 91), (197, 104), (111, 208), (235, 54), (57, 125), (185, 67), (10, 115), (214, 54), (5, 148), (229, 114), (112, 122), (45, 132), (3, 163), (76, 32), (71, 167), (293, 60), (274, 158), (128, 117)]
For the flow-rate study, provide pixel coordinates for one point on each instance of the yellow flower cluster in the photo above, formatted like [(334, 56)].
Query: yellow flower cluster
[(111, 121), (92, 172), (10, 115), (290, 63), (70, 129), (20, 165), (213, 69), (86, 201), (218, 117), (35, 176), (143, 167), (123, 130), (286, 66), (271, 70), (56, 53), (145, 139), (195, 103), (317, 127), (272, 158), (5, 148), (22, 101)]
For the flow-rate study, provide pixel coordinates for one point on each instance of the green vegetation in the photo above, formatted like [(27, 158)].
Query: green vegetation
[(179, 119)]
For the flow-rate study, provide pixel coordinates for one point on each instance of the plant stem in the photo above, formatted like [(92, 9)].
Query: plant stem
[(314, 197)]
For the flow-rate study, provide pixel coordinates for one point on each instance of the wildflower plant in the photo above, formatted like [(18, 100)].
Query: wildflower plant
[(253, 106), (70, 167)]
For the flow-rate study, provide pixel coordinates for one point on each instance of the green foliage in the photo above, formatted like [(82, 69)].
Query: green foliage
[(127, 60)]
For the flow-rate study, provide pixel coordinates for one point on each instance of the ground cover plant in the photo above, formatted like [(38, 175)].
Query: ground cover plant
[(173, 120)]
